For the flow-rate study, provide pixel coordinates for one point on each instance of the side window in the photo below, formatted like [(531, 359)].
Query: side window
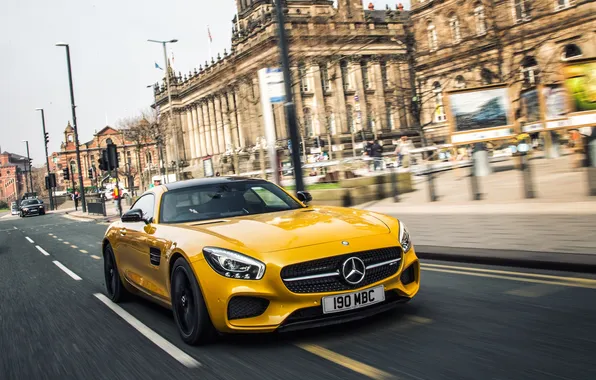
[(270, 199), (147, 204)]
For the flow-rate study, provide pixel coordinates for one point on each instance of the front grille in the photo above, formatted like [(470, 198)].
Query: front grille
[(314, 316), (241, 307), (334, 264)]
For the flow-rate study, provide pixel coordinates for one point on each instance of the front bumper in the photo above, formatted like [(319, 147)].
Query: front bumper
[(282, 310), (37, 211)]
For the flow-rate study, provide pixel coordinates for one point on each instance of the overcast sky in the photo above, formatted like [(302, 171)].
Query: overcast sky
[(111, 61)]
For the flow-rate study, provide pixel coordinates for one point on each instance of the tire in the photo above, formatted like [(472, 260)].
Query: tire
[(115, 290), (190, 312)]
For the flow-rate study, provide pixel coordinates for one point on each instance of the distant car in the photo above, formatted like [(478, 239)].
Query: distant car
[(234, 255), (32, 207), (14, 208)]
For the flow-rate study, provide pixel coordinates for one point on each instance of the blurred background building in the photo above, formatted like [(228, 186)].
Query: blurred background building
[(13, 176)]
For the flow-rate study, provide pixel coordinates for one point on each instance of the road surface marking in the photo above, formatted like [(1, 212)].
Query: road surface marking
[(96, 257), (533, 291), (157, 339), (42, 250), (51, 234), (65, 242), (55, 237), (521, 279), (418, 319), (525, 274), (83, 251), (29, 239), (74, 246), (14, 227), (346, 362), (60, 239), (67, 271)]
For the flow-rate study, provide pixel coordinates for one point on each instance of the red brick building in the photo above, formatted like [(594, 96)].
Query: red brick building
[(12, 176), (139, 159)]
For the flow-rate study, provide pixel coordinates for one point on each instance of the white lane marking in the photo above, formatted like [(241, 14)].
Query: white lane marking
[(51, 234), (29, 239), (67, 271), (60, 239), (42, 250), (157, 339), (74, 246), (83, 251), (96, 257), (533, 291), (14, 227), (55, 237)]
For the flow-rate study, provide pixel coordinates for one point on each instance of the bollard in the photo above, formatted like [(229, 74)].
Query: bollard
[(394, 182), (527, 177), (476, 195), (380, 187), (346, 200), (431, 184)]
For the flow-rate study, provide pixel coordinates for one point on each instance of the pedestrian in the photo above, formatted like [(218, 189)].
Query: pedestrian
[(76, 197), (404, 146), (377, 155)]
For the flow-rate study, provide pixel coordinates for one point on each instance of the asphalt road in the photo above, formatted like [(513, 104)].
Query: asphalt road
[(468, 322)]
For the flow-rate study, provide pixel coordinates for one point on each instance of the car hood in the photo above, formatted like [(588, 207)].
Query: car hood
[(32, 206), (291, 229)]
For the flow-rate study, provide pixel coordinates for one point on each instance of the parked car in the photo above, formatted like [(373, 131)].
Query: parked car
[(14, 208)]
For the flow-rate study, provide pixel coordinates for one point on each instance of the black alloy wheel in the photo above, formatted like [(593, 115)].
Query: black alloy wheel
[(114, 287), (188, 305)]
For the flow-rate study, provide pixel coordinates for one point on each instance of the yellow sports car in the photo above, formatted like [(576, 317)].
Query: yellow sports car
[(232, 254)]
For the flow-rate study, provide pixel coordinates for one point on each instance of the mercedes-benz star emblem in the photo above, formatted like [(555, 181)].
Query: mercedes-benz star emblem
[(353, 270), (345, 243)]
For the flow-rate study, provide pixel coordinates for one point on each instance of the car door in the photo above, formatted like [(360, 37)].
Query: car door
[(133, 251)]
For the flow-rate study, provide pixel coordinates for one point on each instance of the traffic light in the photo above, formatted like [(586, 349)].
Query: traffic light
[(112, 155), (47, 138), (90, 171), (103, 161), (30, 165), (65, 174), (52, 180)]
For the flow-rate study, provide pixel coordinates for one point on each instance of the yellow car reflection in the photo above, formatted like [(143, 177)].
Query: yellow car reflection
[(232, 254)]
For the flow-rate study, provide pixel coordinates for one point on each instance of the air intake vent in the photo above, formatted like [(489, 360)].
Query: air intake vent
[(246, 307)]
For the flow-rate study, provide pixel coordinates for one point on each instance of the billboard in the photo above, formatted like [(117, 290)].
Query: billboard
[(480, 114), (580, 83)]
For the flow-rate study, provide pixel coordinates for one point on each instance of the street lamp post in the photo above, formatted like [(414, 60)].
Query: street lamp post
[(162, 164), (74, 122), (29, 162), (171, 106), (45, 143)]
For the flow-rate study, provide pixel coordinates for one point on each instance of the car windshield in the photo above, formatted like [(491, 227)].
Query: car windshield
[(29, 202), (224, 200)]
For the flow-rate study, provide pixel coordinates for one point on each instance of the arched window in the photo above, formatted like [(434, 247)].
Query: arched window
[(365, 74), (486, 76), (562, 4), (480, 18), (571, 51), (460, 82), (308, 126), (330, 119), (389, 116), (439, 111), (148, 157), (324, 77), (530, 71), (521, 10), (433, 43), (454, 26), (345, 75), (350, 119)]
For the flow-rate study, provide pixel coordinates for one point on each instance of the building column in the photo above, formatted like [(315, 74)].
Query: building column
[(240, 120), (298, 101), (339, 99), (231, 106), (402, 86), (225, 112), (200, 128), (318, 100), (356, 70), (207, 126), (213, 124), (190, 130), (244, 130), (220, 123), (197, 153), (379, 97)]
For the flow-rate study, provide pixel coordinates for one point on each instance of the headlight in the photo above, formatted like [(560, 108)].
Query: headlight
[(404, 237), (233, 264)]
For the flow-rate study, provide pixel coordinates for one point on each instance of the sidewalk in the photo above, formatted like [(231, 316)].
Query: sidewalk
[(111, 214), (535, 234)]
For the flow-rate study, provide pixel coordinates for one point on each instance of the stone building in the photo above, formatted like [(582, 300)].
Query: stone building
[(470, 43), (350, 79), (13, 176), (139, 158)]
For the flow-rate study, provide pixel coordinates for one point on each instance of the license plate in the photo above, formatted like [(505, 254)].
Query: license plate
[(354, 300)]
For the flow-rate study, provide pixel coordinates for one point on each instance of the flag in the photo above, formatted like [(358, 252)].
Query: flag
[(157, 66), (209, 33)]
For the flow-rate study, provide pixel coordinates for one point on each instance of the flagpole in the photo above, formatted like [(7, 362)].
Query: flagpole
[(209, 36)]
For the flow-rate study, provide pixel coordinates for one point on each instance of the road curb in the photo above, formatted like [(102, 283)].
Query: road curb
[(568, 262)]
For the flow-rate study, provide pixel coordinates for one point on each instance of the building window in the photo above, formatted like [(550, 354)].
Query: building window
[(530, 71), (365, 76), (69, 138), (521, 10), (384, 76), (571, 51), (302, 73), (432, 36), (308, 127), (460, 82), (324, 77), (563, 4), (345, 75), (486, 76), (454, 26), (480, 19), (370, 117), (439, 110), (389, 116), (350, 119)]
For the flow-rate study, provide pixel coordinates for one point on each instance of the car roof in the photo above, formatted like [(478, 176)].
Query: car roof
[(208, 181)]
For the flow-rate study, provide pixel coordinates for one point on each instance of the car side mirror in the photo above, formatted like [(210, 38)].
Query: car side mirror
[(304, 196), (133, 216)]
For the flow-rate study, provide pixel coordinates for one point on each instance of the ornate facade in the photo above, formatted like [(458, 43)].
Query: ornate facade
[(470, 43), (350, 81), (13, 176)]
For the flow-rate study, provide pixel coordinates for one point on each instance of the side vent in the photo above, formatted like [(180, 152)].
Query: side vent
[(154, 256)]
